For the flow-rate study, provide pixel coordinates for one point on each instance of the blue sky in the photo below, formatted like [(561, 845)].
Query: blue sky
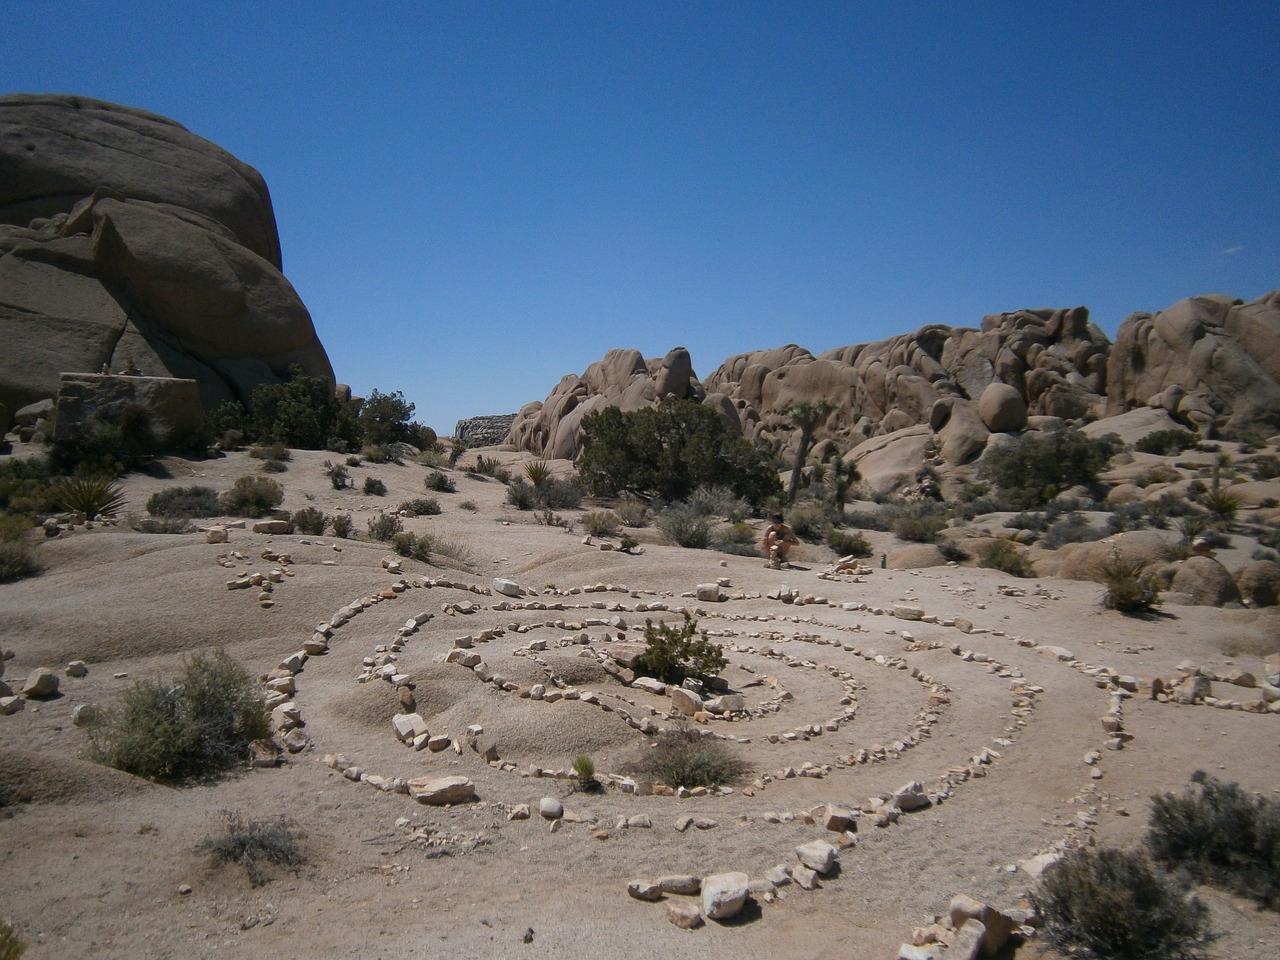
[(475, 199)]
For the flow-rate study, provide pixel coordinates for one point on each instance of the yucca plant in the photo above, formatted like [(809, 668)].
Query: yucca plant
[(92, 495), (1223, 505), (538, 472)]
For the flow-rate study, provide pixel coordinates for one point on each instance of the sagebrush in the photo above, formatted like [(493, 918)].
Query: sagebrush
[(274, 840)]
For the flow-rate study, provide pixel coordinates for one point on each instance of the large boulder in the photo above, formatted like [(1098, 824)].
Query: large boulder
[(1212, 362), (1206, 581), (1259, 583), (1085, 561), (128, 244)]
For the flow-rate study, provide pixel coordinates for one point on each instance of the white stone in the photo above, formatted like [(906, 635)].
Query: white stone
[(549, 808), (817, 855), (724, 894)]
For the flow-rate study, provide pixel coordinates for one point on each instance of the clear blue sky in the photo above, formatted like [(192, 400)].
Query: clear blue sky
[(475, 199)]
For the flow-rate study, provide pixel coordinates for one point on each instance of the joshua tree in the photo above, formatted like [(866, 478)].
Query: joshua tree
[(806, 415)]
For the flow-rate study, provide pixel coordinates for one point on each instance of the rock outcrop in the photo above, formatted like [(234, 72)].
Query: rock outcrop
[(1212, 362), (129, 244), (484, 431)]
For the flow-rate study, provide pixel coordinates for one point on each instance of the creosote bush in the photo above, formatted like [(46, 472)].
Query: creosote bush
[(193, 728), (17, 560), (185, 503), (676, 653), (374, 487), (685, 527), (1004, 556), (310, 520), (1111, 904), (439, 483), (634, 513), (919, 522), (685, 758), (420, 507), (342, 524), (413, 546), (1221, 835), (251, 843), (384, 526), (253, 496), (602, 523)]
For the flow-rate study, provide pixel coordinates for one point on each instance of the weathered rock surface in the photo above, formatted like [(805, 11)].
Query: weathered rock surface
[(724, 895), (440, 791), (128, 242)]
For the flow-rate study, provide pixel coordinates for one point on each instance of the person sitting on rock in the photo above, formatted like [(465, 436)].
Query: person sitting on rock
[(778, 540)]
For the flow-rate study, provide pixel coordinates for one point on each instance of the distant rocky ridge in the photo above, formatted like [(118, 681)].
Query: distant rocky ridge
[(1211, 362), (485, 431), (128, 243)]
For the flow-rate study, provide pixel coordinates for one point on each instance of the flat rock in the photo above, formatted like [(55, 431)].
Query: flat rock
[(441, 791)]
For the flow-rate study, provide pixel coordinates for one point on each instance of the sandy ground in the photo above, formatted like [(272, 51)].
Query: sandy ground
[(94, 860)]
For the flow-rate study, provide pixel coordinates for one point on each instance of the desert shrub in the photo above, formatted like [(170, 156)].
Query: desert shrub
[(1223, 505), (384, 418), (737, 539), (847, 544), (1128, 590), (952, 552), (918, 522), (490, 467), (434, 457), (456, 550), (1073, 528), (384, 526), (1156, 475), (468, 505), (303, 414), (12, 946), (17, 560), (685, 527), (272, 450), (438, 482), (353, 461), (1222, 835), (193, 728), (522, 495), (562, 493), (719, 501), (628, 543), (537, 472), (381, 453), (91, 495), (339, 479), (549, 518), (1265, 466), (26, 484), (310, 520), (274, 466), (14, 527), (374, 487), (1166, 443), (633, 512), (809, 519), (585, 770), (675, 653), (684, 758), (342, 524), (1004, 556), (253, 496), (1129, 516), (411, 545), (1110, 903), (602, 523), (185, 502), (1035, 468), (272, 840), (420, 507), (670, 450)]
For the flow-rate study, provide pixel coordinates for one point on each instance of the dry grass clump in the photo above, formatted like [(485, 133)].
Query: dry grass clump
[(686, 758), (252, 843)]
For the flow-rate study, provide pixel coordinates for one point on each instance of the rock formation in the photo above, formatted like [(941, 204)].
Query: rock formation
[(131, 244), (937, 395)]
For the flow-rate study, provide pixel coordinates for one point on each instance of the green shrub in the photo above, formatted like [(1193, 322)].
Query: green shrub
[(251, 843), (342, 524), (310, 521), (468, 505), (1073, 528), (1004, 556), (918, 522), (410, 545), (537, 472), (1220, 835), (17, 560), (560, 493), (585, 769), (420, 507), (1265, 466), (194, 728), (877, 520), (303, 414), (685, 527), (1223, 505), (1128, 590), (602, 523), (374, 487), (438, 482), (93, 496), (456, 550), (1110, 903), (185, 503), (490, 467), (14, 528), (384, 526), (522, 495), (1165, 443), (26, 484), (685, 758), (381, 453), (253, 496), (670, 450), (339, 479), (846, 544), (1035, 468), (673, 654), (719, 501), (384, 419), (12, 946), (810, 520)]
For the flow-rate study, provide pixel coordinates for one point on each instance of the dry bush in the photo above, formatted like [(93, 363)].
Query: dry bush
[(251, 843), (685, 758)]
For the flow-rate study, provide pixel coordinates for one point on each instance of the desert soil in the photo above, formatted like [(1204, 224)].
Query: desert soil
[(94, 860)]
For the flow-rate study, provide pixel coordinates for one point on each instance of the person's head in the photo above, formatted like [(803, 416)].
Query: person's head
[(777, 518)]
